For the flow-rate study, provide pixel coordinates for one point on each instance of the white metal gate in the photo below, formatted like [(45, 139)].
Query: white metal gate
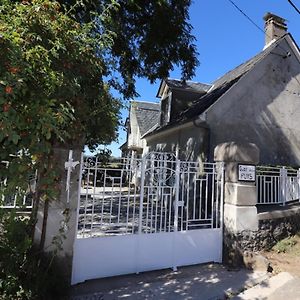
[(147, 214), (277, 185)]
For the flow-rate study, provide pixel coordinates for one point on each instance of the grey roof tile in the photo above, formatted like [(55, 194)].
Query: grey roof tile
[(219, 87), (147, 114), (188, 86), (223, 84)]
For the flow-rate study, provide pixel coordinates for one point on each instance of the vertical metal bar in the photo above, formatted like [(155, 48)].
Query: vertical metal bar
[(78, 196), (120, 197), (272, 188), (128, 202), (111, 199), (279, 189), (188, 198), (147, 208), (142, 194), (170, 212), (212, 197), (103, 197), (206, 194), (216, 182), (200, 204), (182, 196), (165, 211), (221, 209), (264, 190), (260, 189), (158, 194), (151, 213), (177, 176), (133, 171), (94, 193), (86, 201), (195, 197), (276, 200), (257, 192), (134, 203), (268, 191), (161, 208), (283, 176), (200, 197)]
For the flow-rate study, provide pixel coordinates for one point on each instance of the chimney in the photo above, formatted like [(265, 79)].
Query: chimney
[(275, 28)]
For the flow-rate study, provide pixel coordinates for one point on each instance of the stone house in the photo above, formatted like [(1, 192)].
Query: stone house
[(143, 117), (257, 102)]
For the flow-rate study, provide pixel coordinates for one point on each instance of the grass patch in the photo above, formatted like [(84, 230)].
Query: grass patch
[(288, 245)]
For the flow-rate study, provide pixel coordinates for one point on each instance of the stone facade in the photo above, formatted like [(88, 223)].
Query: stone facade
[(269, 232)]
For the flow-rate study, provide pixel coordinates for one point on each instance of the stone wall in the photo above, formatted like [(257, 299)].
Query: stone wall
[(271, 230)]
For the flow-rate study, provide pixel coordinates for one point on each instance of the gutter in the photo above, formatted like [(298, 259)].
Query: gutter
[(197, 122)]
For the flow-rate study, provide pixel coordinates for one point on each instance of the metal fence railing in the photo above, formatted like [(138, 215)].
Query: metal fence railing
[(277, 185), (16, 199), (156, 194)]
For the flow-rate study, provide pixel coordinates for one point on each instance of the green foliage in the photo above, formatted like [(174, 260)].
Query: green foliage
[(51, 90), (23, 273), (59, 64), (57, 72), (103, 156), (14, 246), (148, 38), (285, 245)]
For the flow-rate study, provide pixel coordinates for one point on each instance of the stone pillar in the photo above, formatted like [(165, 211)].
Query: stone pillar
[(61, 220), (240, 213)]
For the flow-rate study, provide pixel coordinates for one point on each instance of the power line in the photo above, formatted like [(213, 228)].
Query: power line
[(257, 26), (260, 29), (295, 7), (242, 12)]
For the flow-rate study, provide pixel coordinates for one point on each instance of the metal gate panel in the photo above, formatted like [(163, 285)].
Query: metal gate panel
[(147, 214)]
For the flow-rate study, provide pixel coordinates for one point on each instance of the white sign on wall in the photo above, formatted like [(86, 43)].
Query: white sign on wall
[(246, 172)]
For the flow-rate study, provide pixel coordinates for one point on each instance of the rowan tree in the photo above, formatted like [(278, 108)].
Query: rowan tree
[(61, 62)]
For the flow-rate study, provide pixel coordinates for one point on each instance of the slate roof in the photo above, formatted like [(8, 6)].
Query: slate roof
[(223, 84), (218, 88), (147, 114), (188, 85)]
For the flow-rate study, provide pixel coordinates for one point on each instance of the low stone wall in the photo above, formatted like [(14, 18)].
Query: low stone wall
[(273, 226)]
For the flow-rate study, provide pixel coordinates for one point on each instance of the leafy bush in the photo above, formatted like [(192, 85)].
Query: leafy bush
[(285, 245), (25, 273)]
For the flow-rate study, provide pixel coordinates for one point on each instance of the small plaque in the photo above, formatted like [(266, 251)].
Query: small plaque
[(246, 173)]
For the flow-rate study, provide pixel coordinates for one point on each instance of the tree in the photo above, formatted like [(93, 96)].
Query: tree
[(59, 63), (149, 37)]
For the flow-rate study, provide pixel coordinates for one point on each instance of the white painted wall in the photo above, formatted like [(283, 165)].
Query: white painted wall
[(263, 108), (134, 136)]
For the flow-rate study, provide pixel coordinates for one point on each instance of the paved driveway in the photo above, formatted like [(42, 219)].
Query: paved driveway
[(208, 281)]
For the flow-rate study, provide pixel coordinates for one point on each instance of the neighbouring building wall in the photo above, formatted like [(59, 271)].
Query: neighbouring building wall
[(191, 142), (263, 108), (134, 136)]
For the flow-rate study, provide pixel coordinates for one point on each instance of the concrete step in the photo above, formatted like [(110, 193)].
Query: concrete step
[(266, 289)]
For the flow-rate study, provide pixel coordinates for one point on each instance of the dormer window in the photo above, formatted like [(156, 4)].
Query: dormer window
[(165, 110), (177, 96)]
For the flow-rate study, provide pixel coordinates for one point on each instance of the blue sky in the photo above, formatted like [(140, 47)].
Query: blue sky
[(225, 39)]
